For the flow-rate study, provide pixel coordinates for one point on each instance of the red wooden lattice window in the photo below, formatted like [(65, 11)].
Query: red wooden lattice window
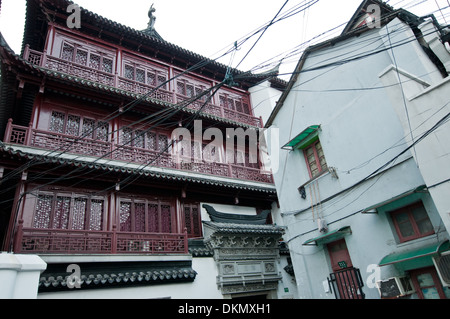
[(140, 215), (69, 211), (238, 157), (77, 125), (149, 140), (144, 74), (89, 57), (235, 103), (190, 89), (412, 222), (192, 220), (206, 152)]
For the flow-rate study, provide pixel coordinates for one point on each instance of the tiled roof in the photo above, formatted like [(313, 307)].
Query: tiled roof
[(93, 280), (270, 189), (245, 228)]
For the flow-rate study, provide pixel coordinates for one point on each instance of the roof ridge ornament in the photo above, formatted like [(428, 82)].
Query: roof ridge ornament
[(151, 23), (151, 31)]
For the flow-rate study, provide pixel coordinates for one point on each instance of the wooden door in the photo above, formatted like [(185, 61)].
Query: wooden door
[(347, 278), (339, 255)]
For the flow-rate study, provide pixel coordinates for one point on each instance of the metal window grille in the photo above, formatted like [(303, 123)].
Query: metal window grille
[(347, 284)]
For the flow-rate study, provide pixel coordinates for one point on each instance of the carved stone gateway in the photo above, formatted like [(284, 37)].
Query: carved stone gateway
[(246, 255)]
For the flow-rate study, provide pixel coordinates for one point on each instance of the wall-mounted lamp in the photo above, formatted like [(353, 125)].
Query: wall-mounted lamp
[(302, 191)]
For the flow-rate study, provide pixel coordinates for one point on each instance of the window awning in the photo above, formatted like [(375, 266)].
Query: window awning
[(415, 258), (329, 237), (302, 138), (396, 198)]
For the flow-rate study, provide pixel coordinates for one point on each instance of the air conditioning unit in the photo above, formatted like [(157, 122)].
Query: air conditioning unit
[(442, 264), (395, 287)]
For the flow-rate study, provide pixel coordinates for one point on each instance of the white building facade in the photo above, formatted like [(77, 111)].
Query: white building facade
[(354, 187)]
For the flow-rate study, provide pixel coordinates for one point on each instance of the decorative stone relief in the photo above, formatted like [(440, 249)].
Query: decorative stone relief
[(246, 255)]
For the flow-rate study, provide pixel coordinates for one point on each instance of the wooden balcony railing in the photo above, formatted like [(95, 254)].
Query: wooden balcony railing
[(42, 59), (54, 241), (61, 143)]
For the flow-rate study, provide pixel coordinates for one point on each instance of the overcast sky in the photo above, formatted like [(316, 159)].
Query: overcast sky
[(208, 27)]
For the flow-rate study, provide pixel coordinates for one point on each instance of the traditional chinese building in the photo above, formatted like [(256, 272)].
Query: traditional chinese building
[(94, 172)]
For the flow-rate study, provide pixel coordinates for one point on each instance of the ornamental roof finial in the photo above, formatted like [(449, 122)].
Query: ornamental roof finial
[(151, 23), (151, 31)]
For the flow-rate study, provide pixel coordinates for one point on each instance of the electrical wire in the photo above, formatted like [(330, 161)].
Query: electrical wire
[(380, 170), (131, 105), (299, 49), (252, 47), (137, 101)]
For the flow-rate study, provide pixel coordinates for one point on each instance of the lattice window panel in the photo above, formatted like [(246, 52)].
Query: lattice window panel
[(192, 220), (239, 106), (230, 155), (240, 158), (162, 82), (181, 89), (79, 213), (246, 108), (196, 218), (200, 90), (73, 125), (235, 103), (81, 57), (129, 72), (88, 57), (139, 217), (57, 122), (102, 131), (88, 128), (252, 160), (196, 150), (140, 75), (125, 216), (61, 214), (67, 52), (166, 219), (189, 90), (96, 215), (153, 218), (222, 101), (230, 103), (139, 139), (107, 65), (94, 61), (42, 212), (211, 153), (68, 213), (151, 141), (145, 216), (127, 136), (151, 79), (163, 143)]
